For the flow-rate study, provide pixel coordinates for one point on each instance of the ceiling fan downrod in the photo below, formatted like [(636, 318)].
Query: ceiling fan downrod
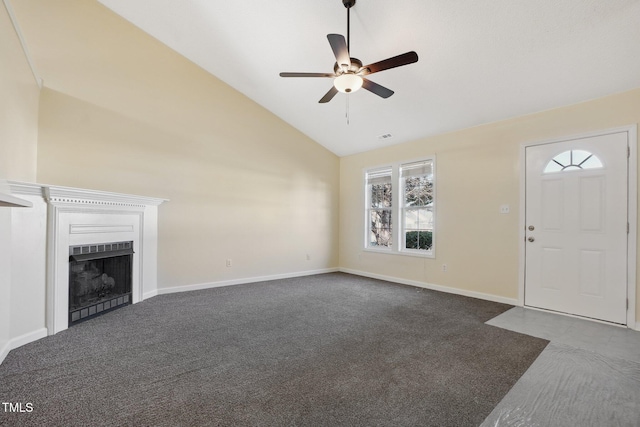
[(349, 4)]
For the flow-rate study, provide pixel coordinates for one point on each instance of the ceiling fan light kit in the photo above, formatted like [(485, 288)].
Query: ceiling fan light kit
[(349, 73), (347, 83)]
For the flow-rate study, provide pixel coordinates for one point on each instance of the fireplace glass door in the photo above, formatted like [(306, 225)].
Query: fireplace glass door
[(99, 279)]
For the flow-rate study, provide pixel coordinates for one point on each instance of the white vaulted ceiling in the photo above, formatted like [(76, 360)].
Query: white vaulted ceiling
[(480, 61)]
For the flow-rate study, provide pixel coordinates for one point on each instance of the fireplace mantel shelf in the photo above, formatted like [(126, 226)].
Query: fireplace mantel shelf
[(7, 200), (58, 194)]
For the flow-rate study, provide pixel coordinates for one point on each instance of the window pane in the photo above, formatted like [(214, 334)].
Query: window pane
[(416, 169), (563, 158), (380, 195), (380, 176), (573, 160), (418, 191), (592, 163), (380, 228), (418, 219), (425, 219), (552, 167), (411, 219), (579, 156), (419, 240)]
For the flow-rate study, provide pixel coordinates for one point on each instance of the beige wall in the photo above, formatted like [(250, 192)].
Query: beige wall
[(18, 141), (477, 171), (122, 112), (18, 107)]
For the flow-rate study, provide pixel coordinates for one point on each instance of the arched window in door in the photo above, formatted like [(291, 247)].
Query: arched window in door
[(573, 160)]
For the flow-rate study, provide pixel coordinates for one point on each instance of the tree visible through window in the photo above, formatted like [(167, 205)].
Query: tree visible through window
[(380, 201)]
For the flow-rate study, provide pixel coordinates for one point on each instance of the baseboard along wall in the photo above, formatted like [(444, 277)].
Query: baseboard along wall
[(4, 351), (434, 287), (242, 281), (22, 340)]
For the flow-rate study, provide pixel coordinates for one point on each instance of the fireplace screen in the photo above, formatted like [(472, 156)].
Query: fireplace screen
[(99, 279)]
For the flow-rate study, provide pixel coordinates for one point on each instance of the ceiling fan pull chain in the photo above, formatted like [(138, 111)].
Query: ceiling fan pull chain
[(347, 113)]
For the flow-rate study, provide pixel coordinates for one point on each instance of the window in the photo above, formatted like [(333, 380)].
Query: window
[(416, 180), (413, 210), (573, 160), (379, 208)]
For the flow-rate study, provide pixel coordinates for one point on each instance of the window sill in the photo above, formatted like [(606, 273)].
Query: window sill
[(429, 254)]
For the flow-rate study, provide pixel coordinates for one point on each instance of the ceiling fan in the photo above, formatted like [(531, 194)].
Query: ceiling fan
[(348, 73)]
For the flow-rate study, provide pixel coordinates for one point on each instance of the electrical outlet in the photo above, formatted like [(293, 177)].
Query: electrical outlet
[(228, 262), (444, 267), (504, 209)]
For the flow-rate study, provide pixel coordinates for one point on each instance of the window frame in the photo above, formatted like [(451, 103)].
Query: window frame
[(368, 209), (397, 209)]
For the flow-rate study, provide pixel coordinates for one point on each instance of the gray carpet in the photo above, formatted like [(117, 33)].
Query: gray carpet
[(325, 350)]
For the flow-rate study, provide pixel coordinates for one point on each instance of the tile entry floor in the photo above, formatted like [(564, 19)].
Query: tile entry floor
[(589, 374)]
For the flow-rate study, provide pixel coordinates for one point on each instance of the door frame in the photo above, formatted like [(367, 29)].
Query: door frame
[(632, 212)]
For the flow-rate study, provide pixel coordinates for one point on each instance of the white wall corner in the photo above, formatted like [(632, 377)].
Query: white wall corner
[(23, 43)]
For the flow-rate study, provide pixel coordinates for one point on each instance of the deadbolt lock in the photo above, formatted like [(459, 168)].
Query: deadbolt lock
[(531, 228), (531, 239)]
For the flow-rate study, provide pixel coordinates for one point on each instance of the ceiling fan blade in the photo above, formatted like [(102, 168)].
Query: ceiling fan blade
[(339, 47), (396, 61), (376, 88), (329, 95), (307, 75)]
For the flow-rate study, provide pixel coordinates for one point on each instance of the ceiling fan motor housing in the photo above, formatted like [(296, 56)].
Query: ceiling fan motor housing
[(354, 67), (348, 3)]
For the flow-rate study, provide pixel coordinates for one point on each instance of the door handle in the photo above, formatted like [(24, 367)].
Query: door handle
[(531, 239), (531, 228)]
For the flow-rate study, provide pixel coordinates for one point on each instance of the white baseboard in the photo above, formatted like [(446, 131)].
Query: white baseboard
[(434, 287), (151, 294), (4, 351), (242, 281), (22, 340), (637, 328), (27, 338)]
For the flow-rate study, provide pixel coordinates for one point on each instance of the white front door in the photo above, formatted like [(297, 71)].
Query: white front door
[(576, 227)]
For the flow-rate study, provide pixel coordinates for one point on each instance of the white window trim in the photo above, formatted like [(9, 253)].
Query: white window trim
[(396, 226)]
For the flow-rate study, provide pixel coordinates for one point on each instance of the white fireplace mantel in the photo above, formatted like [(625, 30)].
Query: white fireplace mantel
[(9, 200), (84, 217)]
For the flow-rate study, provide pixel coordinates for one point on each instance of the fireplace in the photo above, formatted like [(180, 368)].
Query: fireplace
[(100, 279), (63, 224)]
